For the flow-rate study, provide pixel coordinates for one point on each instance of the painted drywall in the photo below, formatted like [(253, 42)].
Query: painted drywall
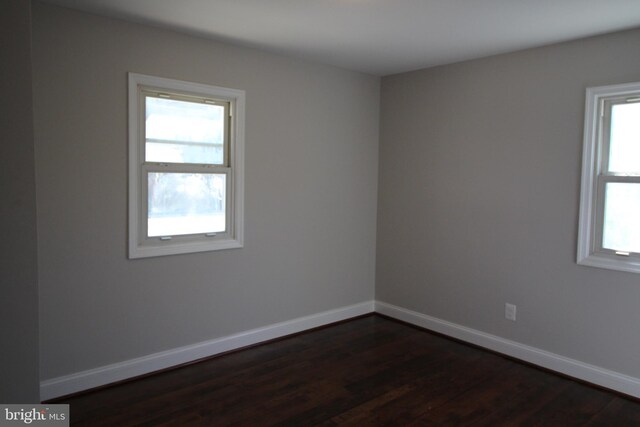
[(18, 257), (310, 183), (478, 200)]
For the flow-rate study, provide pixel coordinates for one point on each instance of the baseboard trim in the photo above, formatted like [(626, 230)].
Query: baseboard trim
[(574, 368), (85, 380)]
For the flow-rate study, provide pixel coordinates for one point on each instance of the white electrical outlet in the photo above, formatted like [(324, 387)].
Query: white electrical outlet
[(510, 312)]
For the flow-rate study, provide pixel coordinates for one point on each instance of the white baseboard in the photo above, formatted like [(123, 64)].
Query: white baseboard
[(103, 375), (573, 368)]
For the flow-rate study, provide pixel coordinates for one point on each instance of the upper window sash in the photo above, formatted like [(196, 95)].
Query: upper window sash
[(624, 162), (171, 123)]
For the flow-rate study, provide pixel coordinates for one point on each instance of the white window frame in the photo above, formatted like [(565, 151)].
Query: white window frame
[(595, 154), (141, 246)]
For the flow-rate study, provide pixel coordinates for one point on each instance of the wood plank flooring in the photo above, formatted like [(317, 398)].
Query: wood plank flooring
[(370, 371)]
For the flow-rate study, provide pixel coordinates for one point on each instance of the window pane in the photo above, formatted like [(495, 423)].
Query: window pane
[(186, 203), (624, 153), (622, 217), (184, 132)]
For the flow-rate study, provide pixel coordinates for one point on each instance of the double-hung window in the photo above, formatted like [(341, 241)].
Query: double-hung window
[(609, 231), (185, 167)]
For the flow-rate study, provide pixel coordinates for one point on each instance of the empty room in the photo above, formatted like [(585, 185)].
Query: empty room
[(338, 212)]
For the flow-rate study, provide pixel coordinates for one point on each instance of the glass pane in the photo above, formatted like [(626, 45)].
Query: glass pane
[(184, 132), (186, 203), (622, 217), (624, 153)]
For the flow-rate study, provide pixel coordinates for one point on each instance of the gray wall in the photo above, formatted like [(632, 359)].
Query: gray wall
[(311, 189), (478, 199), (18, 256)]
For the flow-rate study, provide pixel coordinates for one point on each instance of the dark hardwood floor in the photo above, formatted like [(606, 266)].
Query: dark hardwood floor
[(371, 371)]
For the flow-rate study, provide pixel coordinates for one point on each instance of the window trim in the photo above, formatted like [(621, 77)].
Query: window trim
[(142, 247), (590, 251)]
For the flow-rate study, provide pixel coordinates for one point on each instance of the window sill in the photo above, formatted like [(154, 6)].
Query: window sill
[(176, 248), (611, 262)]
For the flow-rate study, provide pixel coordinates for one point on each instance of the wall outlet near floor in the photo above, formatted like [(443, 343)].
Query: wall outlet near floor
[(510, 311)]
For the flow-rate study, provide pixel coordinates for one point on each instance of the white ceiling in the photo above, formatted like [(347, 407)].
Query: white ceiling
[(379, 37)]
